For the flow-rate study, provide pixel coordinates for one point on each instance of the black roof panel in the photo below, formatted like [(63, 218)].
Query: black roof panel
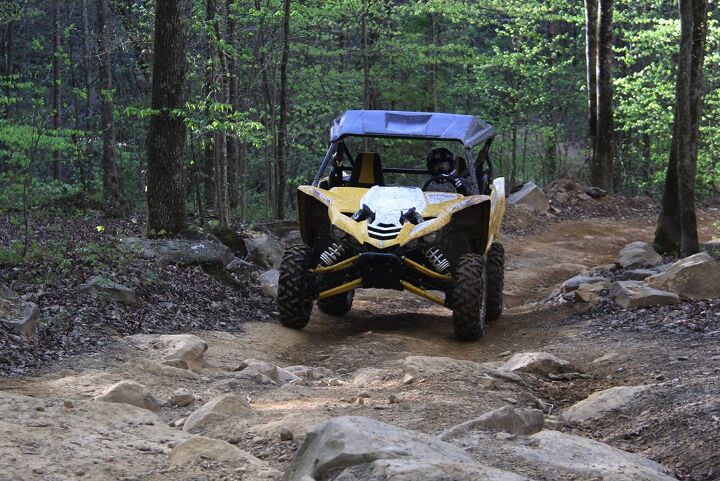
[(414, 125)]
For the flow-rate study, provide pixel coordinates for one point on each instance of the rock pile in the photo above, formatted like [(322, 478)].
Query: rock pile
[(644, 281)]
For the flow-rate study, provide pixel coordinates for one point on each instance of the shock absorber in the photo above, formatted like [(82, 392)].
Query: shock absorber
[(437, 259), (332, 254)]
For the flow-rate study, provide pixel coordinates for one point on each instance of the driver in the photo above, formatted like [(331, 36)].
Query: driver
[(442, 167)]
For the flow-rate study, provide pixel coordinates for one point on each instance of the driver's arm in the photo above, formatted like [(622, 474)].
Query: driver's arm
[(460, 185)]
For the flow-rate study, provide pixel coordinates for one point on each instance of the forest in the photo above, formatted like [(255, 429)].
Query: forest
[(265, 78)]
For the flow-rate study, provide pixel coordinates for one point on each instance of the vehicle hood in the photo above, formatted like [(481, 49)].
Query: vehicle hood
[(389, 203)]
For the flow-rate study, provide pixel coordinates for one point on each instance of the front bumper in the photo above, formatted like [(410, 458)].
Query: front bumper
[(382, 271)]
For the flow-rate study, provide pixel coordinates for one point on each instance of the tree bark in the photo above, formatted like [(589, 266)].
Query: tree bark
[(112, 195), (282, 129), (220, 165), (86, 162), (591, 54), (233, 143), (602, 168), (687, 161), (56, 101), (166, 135)]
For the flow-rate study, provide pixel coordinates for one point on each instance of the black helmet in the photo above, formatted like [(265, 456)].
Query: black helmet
[(440, 161)]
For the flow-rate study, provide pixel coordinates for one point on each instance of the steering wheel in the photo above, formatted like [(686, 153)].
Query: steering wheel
[(441, 179)]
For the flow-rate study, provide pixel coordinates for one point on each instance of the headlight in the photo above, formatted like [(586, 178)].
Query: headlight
[(338, 233), (431, 238)]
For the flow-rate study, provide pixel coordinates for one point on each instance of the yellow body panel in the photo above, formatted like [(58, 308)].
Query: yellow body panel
[(342, 202)]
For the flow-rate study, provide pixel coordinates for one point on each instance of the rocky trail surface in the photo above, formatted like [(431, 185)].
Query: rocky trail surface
[(553, 391)]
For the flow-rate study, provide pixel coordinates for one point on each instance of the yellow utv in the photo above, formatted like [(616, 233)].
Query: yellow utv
[(435, 238)]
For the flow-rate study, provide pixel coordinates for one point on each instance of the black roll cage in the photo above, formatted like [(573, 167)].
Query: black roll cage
[(483, 159)]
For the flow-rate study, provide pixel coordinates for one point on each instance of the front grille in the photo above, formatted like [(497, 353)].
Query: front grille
[(384, 231)]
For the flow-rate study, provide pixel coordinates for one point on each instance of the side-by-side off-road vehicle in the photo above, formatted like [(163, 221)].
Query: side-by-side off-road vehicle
[(433, 241)]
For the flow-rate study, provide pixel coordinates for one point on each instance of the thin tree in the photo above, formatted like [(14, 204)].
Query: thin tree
[(166, 135), (677, 225), (56, 102), (112, 194), (591, 54), (603, 150), (282, 128)]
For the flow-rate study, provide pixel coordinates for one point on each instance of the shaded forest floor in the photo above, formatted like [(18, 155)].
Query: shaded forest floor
[(673, 348)]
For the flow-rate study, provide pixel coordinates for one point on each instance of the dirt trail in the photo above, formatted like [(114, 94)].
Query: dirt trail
[(366, 349)]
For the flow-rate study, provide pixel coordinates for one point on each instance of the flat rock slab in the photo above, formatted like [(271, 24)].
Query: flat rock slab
[(44, 439), (573, 283), (695, 277), (103, 287), (635, 294), (434, 366), (199, 449), (638, 254), (506, 419), (344, 442), (567, 456), (414, 470), (603, 403), (182, 251)]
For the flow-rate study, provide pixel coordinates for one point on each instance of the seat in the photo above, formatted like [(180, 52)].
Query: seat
[(367, 171)]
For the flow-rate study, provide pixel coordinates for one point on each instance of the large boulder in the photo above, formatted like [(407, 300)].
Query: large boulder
[(506, 419), (419, 470), (536, 362), (130, 392), (103, 287), (347, 441), (603, 403), (566, 456), (265, 250), (201, 449), (16, 314), (638, 254), (219, 411), (695, 277), (182, 251), (635, 294), (530, 195)]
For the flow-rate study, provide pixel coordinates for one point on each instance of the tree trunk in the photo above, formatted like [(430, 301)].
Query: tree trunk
[(87, 156), (687, 160), (166, 135), (233, 143), (220, 166), (111, 182), (677, 224), (282, 129), (591, 51), (602, 169), (56, 101), (208, 94), (365, 58), (513, 158)]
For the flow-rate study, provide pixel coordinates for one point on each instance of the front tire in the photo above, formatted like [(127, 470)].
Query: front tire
[(337, 305), (469, 297), (495, 280), (294, 305)]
